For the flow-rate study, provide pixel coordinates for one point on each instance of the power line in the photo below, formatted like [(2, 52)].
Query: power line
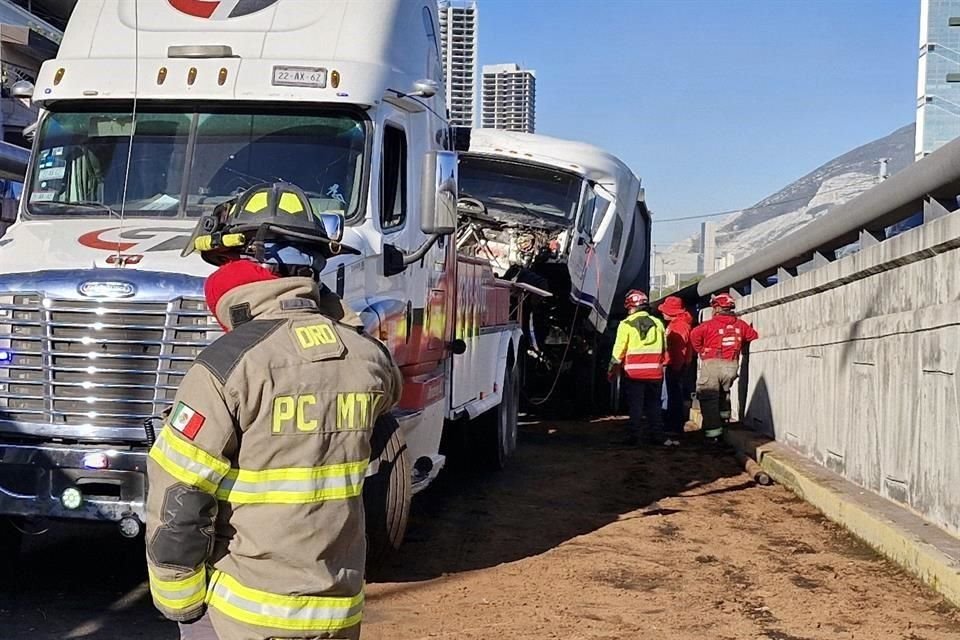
[(717, 214)]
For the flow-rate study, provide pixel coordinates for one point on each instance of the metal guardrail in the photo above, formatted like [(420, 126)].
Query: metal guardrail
[(930, 185)]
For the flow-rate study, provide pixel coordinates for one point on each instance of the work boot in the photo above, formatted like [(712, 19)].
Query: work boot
[(715, 443)]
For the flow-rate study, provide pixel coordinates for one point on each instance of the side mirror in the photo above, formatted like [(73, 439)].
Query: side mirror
[(461, 138), (22, 89), (438, 210), (425, 88), (333, 223)]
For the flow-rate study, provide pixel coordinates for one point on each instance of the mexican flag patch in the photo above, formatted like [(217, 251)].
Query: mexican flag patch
[(186, 420)]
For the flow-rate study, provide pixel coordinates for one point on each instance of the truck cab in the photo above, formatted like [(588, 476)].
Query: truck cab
[(570, 219), (153, 113)]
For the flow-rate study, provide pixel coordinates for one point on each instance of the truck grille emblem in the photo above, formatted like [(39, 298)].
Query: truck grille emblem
[(95, 289)]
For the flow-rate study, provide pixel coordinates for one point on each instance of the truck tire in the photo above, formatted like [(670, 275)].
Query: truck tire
[(498, 433), (387, 492)]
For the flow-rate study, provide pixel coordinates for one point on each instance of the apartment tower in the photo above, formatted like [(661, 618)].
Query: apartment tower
[(458, 33), (509, 98)]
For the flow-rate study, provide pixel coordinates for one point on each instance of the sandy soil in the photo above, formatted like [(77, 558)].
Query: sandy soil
[(581, 538), (578, 539)]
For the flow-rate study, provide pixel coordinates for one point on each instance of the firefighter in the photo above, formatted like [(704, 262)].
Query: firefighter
[(719, 342), (638, 354), (677, 365), (255, 523)]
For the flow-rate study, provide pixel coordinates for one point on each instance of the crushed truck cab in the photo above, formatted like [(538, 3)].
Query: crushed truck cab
[(569, 219)]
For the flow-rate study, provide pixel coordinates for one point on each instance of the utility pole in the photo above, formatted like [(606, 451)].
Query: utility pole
[(653, 279)]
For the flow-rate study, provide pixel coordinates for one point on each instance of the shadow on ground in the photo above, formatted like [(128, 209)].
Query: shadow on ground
[(566, 479), (79, 583)]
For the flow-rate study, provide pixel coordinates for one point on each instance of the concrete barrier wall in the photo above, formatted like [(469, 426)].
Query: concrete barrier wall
[(857, 368)]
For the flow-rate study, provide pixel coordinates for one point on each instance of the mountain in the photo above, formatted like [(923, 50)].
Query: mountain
[(799, 203)]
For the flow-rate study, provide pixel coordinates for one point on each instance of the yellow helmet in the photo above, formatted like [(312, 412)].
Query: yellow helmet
[(265, 215)]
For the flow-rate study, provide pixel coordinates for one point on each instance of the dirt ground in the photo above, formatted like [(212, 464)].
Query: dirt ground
[(579, 538)]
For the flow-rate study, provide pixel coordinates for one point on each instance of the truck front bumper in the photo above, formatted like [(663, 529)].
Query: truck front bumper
[(111, 482)]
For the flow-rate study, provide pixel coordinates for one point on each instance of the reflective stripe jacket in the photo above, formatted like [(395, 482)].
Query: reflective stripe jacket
[(254, 506), (722, 337), (639, 347)]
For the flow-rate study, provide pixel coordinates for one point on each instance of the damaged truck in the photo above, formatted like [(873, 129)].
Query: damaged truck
[(569, 224)]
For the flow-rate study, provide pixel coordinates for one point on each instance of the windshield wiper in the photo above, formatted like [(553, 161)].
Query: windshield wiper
[(84, 204)]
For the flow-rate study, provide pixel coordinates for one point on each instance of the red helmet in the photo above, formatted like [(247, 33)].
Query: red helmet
[(635, 298), (723, 301)]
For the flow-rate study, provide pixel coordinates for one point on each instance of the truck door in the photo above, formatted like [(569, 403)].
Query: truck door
[(416, 311), (593, 265)]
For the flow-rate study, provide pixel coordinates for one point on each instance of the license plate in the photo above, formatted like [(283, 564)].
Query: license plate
[(315, 77)]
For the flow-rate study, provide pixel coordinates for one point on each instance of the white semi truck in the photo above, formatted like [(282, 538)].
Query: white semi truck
[(568, 218), (153, 113)]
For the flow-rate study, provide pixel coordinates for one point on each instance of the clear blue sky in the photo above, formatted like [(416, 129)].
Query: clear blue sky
[(715, 104)]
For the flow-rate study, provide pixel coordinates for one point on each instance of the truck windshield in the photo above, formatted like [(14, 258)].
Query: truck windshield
[(519, 188), (184, 164)]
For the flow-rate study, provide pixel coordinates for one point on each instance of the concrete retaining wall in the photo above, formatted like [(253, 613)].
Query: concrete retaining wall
[(857, 368)]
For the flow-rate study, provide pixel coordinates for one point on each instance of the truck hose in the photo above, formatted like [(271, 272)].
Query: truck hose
[(149, 431), (573, 329)]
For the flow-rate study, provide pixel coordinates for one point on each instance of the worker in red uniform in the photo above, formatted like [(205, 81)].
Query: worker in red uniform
[(718, 342), (639, 353), (677, 366)]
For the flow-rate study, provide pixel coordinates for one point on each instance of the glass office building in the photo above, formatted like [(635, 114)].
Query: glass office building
[(938, 77)]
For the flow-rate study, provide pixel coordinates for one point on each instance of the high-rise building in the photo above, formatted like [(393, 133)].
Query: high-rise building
[(938, 77), (458, 31), (509, 98)]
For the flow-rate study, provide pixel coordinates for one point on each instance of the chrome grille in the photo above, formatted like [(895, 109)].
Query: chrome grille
[(95, 363)]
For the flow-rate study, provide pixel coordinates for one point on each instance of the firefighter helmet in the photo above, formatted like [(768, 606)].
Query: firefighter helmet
[(723, 301), (266, 223), (635, 298)]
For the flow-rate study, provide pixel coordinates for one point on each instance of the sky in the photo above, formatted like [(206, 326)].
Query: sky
[(715, 104)]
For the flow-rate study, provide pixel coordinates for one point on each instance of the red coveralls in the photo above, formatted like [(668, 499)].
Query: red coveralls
[(679, 358), (718, 342)]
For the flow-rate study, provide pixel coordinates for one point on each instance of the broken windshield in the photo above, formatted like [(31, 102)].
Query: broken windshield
[(518, 188), (81, 164)]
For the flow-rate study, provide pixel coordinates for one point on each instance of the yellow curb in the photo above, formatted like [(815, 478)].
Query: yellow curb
[(921, 548)]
